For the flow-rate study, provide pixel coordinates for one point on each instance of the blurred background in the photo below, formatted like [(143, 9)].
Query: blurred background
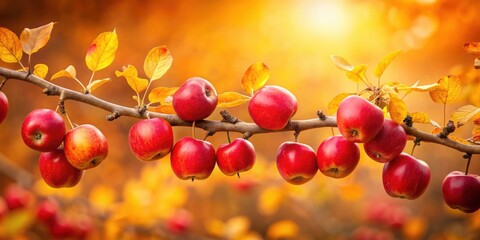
[(125, 198)]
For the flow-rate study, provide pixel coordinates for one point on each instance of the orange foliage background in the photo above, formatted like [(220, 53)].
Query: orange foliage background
[(218, 40)]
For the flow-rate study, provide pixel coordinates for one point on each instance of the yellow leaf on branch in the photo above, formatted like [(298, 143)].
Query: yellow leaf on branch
[(231, 99), (168, 109), (10, 46), (397, 109), (40, 70), (341, 63), (35, 39), (157, 62), (385, 62), (97, 83), (449, 91), (101, 52), (162, 95), (420, 117), (255, 77), (131, 74), (69, 72), (464, 113), (357, 74), (335, 102)]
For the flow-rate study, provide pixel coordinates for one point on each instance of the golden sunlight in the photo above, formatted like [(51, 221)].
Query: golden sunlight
[(324, 17)]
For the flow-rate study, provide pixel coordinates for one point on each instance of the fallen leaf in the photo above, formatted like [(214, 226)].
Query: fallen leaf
[(101, 52), (449, 91), (157, 62), (10, 46), (35, 39), (40, 70), (231, 99), (255, 77)]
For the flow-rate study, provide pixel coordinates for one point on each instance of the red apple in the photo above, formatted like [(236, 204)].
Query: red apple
[(3, 208), (462, 191), (296, 162), (56, 171), (85, 146), (235, 157), (359, 120), (195, 100), (272, 107), (43, 130), (151, 139), (17, 197), (405, 177), (180, 222), (192, 159), (3, 106), (62, 228), (388, 143), (47, 211), (337, 157)]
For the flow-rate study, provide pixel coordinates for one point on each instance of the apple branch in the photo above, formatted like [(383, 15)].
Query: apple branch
[(228, 124)]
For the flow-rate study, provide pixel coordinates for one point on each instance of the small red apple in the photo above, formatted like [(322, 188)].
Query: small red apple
[(56, 171), (272, 107), (405, 177), (17, 197), (359, 120), (296, 162), (388, 143), (462, 191), (337, 157), (151, 139), (3, 106), (85, 146), (180, 222), (43, 130), (235, 157), (62, 228), (192, 159), (195, 100), (47, 211)]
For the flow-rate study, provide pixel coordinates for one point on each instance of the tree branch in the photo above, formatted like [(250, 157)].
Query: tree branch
[(211, 126)]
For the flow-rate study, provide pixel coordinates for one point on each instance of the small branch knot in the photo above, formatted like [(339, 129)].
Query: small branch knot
[(141, 110), (227, 117), (247, 135), (408, 121), (321, 115), (417, 141), (113, 116), (447, 130), (209, 133), (49, 91), (467, 155)]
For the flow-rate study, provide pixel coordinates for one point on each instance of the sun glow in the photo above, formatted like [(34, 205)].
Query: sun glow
[(325, 17)]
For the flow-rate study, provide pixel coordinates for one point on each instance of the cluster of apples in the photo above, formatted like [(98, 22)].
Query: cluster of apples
[(47, 213), (65, 155)]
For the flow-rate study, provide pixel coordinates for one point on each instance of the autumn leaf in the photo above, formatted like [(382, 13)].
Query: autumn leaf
[(335, 102), (101, 52), (475, 135), (160, 95), (10, 46), (464, 113), (157, 62), (231, 99), (357, 74), (168, 109), (425, 88), (35, 39), (397, 109), (40, 70), (69, 72), (341, 63), (283, 229), (131, 74), (255, 77), (438, 130), (472, 48), (95, 84), (383, 64), (420, 117), (449, 91)]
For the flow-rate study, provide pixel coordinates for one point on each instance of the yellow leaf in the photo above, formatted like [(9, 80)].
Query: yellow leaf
[(157, 62), (35, 39), (97, 83), (383, 64), (40, 70), (464, 113), (168, 109), (101, 52), (420, 117), (449, 91), (341, 63), (255, 77), (102, 197), (472, 48), (459, 139), (131, 74), (69, 72), (10, 46), (162, 95), (283, 229), (475, 135), (269, 200), (357, 74), (397, 109), (425, 88), (231, 99), (333, 104), (236, 227)]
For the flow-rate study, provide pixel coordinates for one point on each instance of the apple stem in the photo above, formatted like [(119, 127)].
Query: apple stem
[(3, 83), (296, 135), (469, 157), (238, 174), (193, 130), (193, 179), (416, 143), (333, 131), (228, 137)]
